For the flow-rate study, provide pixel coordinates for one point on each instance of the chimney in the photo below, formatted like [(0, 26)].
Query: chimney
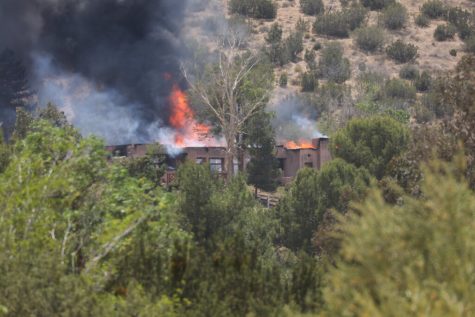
[(322, 145), (316, 143)]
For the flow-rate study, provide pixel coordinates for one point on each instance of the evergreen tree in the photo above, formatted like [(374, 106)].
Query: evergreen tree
[(14, 88), (371, 143), (262, 169)]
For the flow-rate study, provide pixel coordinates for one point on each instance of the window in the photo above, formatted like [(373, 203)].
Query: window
[(309, 164), (216, 165), (200, 160)]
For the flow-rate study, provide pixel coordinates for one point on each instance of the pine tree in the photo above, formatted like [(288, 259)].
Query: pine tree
[(14, 87), (262, 168)]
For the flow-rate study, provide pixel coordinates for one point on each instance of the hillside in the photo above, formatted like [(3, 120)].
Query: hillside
[(433, 56)]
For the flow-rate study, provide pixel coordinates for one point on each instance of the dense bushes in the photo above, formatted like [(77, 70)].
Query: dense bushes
[(274, 35), (394, 16), (259, 9), (340, 23), (434, 9), (422, 20), (308, 82), (398, 89), (312, 7), (370, 38), (333, 66), (283, 80), (377, 4), (444, 32), (409, 72), (423, 82), (293, 45), (401, 52), (280, 51), (470, 44)]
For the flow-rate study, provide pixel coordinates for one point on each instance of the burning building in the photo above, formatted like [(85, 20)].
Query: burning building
[(291, 156), (189, 140)]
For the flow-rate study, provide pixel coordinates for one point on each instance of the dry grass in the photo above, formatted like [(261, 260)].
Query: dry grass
[(433, 56)]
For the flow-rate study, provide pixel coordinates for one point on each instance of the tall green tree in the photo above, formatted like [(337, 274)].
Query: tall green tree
[(66, 213), (371, 143), (313, 194), (263, 169)]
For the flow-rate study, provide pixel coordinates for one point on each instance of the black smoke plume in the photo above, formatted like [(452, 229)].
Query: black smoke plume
[(122, 48)]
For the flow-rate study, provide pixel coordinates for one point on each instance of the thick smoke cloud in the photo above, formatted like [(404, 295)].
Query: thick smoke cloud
[(120, 49)]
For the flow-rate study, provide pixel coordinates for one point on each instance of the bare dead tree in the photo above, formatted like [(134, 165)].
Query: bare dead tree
[(218, 89)]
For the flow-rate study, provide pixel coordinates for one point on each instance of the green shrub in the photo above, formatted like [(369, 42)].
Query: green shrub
[(423, 82), (444, 32), (258, 9), (294, 45), (398, 89), (466, 30), (458, 16), (401, 52), (312, 7), (308, 82), (434, 9), (275, 34), (355, 15), (377, 4), (333, 66), (310, 59), (470, 44), (422, 20), (369, 38), (340, 23), (394, 16), (283, 80), (278, 54), (422, 114), (453, 52), (409, 72), (301, 26), (317, 46), (332, 24)]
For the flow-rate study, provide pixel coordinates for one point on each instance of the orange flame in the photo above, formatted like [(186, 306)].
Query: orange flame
[(302, 144), (182, 118)]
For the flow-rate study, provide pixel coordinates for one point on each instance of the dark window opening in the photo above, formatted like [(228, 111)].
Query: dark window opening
[(216, 165)]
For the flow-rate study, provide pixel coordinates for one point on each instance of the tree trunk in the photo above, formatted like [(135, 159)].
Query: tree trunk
[(230, 154)]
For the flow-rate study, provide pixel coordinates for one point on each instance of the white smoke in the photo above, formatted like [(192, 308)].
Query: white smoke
[(94, 111), (294, 119)]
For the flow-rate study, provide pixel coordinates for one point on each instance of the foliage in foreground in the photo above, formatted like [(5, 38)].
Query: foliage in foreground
[(409, 260)]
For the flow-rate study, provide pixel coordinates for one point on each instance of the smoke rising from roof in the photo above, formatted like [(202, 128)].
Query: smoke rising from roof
[(116, 50), (294, 119)]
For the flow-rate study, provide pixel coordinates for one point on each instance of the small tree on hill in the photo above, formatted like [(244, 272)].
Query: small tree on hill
[(371, 143)]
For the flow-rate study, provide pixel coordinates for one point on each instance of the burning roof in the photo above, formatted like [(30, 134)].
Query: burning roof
[(302, 144)]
